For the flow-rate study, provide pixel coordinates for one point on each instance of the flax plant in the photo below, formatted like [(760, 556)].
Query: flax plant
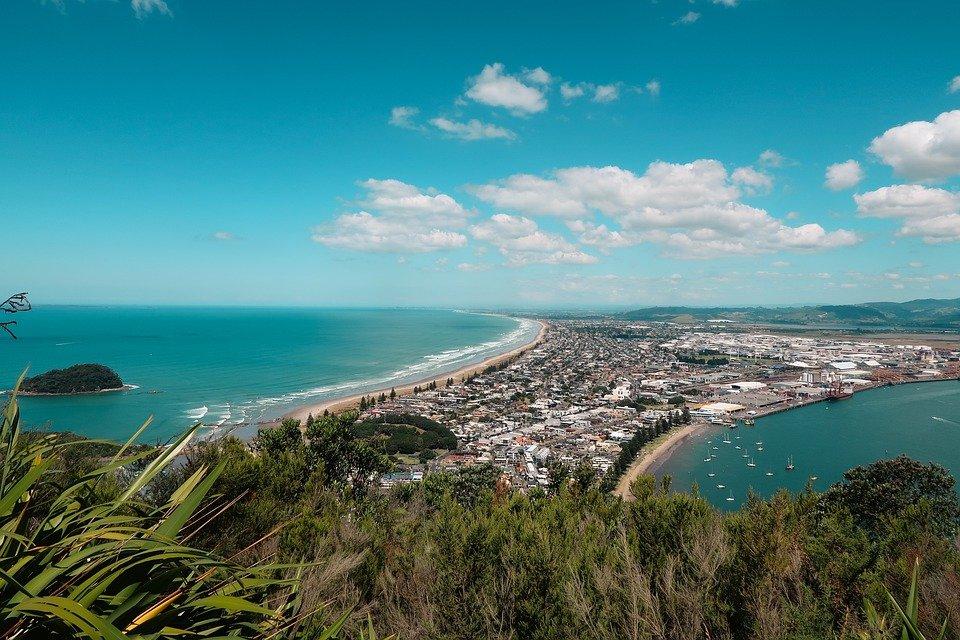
[(74, 564)]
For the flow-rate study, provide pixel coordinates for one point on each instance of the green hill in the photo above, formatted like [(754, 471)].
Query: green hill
[(80, 378), (406, 433), (919, 314)]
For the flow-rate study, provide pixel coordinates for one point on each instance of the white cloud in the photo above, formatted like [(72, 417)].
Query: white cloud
[(653, 87), (521, 242), (727, 3), (403, 117), (688, 18), (495, 88), (606, 93), (598, 235), (365, 232), (692, 209), (907, 201), (403, 200), (771, 158), (538, 76), (473, 266), (843, 175), (408, 220), (954, 85), (570, 91), (754, 181), (143, 8), (922, 150), (934, 230), (472, 129), (927, 213), (223, 236)]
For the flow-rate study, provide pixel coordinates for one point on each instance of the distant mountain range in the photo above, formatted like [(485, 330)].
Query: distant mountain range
[(926, 313)]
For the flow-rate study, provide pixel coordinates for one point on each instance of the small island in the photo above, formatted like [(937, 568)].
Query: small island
[(80, 378)]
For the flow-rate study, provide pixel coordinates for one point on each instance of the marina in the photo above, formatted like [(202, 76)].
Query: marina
[(816, 443)]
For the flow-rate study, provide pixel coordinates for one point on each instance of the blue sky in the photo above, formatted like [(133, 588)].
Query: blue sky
[(480, 154)]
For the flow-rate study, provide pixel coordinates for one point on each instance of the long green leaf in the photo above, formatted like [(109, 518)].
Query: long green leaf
[(232, 603)]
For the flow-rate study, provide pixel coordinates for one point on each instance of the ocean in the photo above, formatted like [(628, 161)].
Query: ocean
[(225, 366), (921, 420)]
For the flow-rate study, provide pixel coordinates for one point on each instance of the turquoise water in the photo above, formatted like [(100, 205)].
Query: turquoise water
[(921, 420), (237, 365)]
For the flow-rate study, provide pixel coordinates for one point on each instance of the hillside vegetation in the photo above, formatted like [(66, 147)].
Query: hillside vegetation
[(406, 433), (926, 313), (291, 538)]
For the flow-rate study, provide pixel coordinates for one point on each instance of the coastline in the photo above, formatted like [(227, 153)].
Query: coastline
[(649, 461), (41, 394), (344, 403)]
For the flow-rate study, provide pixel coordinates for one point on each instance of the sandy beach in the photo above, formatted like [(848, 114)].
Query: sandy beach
[(336, 405), (651, 459)]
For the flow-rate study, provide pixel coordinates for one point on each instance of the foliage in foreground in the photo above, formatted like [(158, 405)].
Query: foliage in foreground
[(458, 555), (84, 555), (461, 555)]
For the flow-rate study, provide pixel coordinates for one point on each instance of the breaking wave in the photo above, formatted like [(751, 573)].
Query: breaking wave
[(432, 364)]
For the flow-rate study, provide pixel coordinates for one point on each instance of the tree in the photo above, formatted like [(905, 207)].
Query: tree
[(685, 414), (344, 459), (558, 474), (279, 439), (876, 493), (393, 393), (17, 303)]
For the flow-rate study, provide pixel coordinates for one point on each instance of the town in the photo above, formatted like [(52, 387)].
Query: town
[(583, 392)]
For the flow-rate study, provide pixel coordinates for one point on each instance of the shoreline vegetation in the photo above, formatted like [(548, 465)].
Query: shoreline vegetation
[(346, 403)]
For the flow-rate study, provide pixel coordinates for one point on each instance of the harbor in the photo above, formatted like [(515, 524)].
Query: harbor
[(820, 440)]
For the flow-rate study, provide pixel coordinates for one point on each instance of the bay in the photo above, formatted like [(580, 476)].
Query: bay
[(225, 366), (921, 420)]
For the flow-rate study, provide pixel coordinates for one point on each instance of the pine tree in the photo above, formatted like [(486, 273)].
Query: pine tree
[(393, 393)]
